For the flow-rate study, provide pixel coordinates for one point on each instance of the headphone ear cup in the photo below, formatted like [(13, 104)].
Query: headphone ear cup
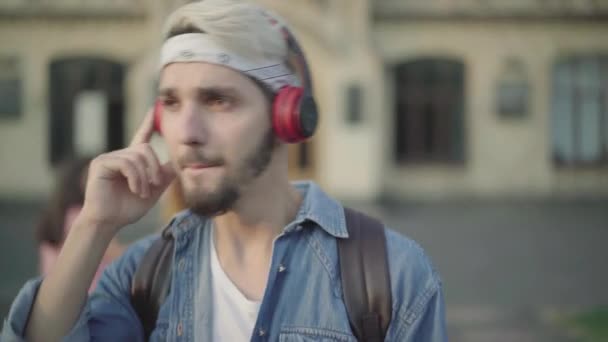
[(308, 117), (286, 114)]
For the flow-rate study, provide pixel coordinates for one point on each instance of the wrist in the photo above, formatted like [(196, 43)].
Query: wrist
[(99, 228)]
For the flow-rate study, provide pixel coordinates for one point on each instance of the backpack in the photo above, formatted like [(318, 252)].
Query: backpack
[(363, 268)]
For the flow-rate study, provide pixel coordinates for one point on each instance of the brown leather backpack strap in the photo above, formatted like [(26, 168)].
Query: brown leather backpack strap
[(365, 276), (152, 281)]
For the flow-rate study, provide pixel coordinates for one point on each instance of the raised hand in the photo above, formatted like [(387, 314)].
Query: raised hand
[(123, 185)]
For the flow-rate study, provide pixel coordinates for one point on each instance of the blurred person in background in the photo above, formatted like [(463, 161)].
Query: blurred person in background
[(255, 255), (58, 216)]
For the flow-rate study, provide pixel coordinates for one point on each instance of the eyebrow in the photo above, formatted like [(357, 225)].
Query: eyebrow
[(168, 91)]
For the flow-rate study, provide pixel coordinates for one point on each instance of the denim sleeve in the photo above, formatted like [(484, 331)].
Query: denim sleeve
[(430, 326), (418, 307), (14, 325), (107, 314)]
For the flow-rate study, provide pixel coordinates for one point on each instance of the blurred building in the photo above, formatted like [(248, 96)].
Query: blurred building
[(419, 99)]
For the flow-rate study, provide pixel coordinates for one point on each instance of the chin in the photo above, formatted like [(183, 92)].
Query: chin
[(198, 189), (211, 202)]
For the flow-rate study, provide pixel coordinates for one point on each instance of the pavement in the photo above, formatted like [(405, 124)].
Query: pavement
[(509, 269)]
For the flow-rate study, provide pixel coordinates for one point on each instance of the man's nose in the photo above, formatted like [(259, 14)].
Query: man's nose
[(192, 125)]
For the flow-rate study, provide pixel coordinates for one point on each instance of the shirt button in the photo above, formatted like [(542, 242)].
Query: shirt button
[(262, 332), (282, 268), (182, 264), (180, 329)]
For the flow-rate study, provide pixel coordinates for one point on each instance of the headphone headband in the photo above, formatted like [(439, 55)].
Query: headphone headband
[(295, 114), (292, 47)]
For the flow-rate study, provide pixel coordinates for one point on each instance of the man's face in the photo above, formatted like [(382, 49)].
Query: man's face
[(217, 126)]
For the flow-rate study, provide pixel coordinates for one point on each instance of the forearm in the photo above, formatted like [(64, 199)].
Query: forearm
[(63, 292)]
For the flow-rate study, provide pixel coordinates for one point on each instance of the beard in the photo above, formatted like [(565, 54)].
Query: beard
[(228, 191)]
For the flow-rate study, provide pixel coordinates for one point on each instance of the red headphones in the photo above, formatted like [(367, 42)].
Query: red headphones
[(294, 111), (158, 111)]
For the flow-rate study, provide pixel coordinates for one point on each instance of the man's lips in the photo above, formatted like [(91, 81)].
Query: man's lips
[(199, 166)]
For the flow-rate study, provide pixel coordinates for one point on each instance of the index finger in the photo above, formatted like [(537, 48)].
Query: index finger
[(145, 130)]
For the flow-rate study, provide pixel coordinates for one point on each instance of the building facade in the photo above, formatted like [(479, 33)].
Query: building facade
[(424, 100), (450, 99)]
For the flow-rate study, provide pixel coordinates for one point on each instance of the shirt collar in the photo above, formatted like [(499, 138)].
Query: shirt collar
[(316, 206)]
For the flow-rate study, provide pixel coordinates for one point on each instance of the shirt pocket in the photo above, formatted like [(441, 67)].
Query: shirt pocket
[(305, 334)]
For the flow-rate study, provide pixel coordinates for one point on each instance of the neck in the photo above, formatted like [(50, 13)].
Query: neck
[(265, 207)]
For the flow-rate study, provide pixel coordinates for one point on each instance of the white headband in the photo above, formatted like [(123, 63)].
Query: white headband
[(199, 47)]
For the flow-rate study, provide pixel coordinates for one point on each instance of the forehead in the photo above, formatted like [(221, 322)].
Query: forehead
[(181, 76)]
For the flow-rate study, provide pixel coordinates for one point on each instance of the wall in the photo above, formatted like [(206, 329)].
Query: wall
[(25, 171), (504, 157)]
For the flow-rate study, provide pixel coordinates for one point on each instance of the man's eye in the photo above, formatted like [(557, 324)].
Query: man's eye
[(168, 102), (218, 102)]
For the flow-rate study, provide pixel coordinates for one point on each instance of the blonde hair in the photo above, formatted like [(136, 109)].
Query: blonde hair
[(238, 25)]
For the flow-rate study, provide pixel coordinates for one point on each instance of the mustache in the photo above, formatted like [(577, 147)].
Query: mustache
[(199, 157)]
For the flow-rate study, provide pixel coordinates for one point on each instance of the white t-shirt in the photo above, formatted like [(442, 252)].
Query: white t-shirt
[(234, 315)]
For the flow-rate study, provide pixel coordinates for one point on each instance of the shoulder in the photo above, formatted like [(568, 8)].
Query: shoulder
[(414, 280), (406, 255)]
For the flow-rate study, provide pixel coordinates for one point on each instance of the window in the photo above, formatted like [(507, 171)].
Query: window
[(429, 105), (10, 88), (513, 90), (353, 104), (580, 111), (86, 93)]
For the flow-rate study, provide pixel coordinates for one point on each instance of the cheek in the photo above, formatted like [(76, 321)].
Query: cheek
[(240, 135), (252, 140)]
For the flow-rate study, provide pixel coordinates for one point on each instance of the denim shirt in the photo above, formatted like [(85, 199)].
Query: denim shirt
[(303, 298)]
